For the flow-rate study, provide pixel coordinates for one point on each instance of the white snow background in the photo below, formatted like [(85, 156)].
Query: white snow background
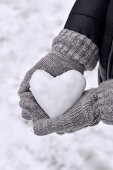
[(27, 28)]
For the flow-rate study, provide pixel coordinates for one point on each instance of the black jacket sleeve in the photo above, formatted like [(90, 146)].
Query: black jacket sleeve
[(88, 18)]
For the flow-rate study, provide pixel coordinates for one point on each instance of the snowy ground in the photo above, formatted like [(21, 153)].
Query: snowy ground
[(27, 28)]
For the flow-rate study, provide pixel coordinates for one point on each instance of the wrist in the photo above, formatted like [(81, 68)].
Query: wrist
[(76, 47)]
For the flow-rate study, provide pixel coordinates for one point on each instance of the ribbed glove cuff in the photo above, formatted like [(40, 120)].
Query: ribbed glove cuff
[(76, 47)]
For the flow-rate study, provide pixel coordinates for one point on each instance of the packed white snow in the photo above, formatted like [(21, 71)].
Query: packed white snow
[(57, 94), (27, 28)]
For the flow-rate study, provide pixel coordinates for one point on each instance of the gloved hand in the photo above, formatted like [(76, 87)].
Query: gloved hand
[(70, 50), (94, 106)]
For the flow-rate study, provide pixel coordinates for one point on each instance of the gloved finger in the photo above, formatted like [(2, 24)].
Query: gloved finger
[(25, 105), (26, 114), (69, 131), (34, 111), (74, 119), (24, 86), (60, 133), (59, 124), (26, 99)]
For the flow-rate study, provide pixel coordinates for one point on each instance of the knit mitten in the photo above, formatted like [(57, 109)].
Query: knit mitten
[(70, 50), (94, 106), (105, 101)]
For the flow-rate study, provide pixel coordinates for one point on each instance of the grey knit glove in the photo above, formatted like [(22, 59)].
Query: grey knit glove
[(70, 50), (95, 105)]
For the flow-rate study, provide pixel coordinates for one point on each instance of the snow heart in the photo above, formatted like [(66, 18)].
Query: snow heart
[(57, 94)]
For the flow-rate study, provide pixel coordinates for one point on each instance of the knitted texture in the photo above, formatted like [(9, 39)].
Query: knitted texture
[(94, 106), (70, 50), (84, 113), (77, 47), (105, 98)]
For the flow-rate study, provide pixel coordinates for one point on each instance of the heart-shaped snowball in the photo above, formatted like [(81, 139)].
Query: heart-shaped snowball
[(57, 94)]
